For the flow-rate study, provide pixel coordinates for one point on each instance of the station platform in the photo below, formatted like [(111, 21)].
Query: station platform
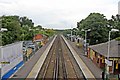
[(32, 67), (86, 72), (25, 70), (34, 72), (96, 71)]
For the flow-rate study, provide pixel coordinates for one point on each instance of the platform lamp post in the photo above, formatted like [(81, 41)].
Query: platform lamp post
[(76, 31), (107, 68), (71, 34), (86, 39)]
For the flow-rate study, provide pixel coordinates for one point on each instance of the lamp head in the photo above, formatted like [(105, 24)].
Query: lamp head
[(114, 30), (3, 29), (89, 30)]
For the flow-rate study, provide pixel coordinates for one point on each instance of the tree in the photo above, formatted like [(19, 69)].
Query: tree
[(20, 29), (114, 22), (39, 27), (26, 21), (98, 24), (67, 31), (13, 26)]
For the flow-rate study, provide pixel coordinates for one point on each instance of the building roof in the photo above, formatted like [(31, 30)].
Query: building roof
[(103, 48), (38, 37)]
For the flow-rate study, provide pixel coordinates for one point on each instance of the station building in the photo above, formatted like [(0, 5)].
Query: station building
[(98, 54), (40, 39)]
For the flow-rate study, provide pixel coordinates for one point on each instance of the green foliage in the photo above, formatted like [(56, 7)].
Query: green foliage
[(114, 22), (39, 27), (20, 29), (13, 26), (118, 39), (15, 30), (49, 32), (98, 25), (26, 21), (67, 31)]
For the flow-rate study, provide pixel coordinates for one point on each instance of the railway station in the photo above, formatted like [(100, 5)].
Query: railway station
[(58, 61), (60, 40), (59, 58)]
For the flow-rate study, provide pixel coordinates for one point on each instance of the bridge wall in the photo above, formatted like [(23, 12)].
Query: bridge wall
[(11, 59)]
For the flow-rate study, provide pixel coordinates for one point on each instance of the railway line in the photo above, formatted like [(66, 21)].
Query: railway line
[(60, 61), (76, 70), (48, 65), (60, 64)]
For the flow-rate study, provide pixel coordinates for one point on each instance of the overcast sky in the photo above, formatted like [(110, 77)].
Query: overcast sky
[(58, 14)]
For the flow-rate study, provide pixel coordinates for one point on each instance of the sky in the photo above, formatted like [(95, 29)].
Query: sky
[(58, 14)]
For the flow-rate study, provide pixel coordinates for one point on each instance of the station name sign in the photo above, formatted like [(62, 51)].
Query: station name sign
[(108, 62), (5, 62)]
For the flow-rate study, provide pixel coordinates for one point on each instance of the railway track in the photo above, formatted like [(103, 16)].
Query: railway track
[(60, 63), (73, 72), (48, 64)]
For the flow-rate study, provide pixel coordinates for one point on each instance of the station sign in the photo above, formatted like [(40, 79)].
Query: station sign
[(109, 63), (5, 62)]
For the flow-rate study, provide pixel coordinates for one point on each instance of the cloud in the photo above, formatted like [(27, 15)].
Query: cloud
[(58, 13)]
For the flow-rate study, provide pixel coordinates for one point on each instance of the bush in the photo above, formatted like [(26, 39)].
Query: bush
[(118, 39)]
